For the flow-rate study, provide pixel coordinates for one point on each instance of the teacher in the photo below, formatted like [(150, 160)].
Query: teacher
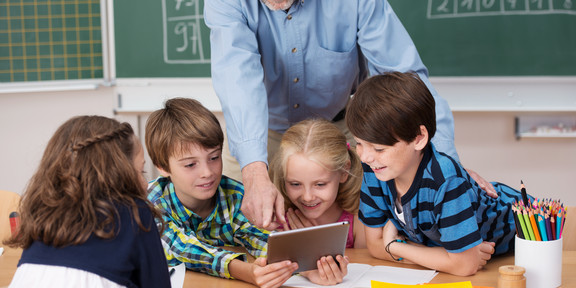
[(277, 62)]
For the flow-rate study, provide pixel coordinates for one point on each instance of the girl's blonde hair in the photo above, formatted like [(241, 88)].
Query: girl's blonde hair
[(87, 169), (322, 142)]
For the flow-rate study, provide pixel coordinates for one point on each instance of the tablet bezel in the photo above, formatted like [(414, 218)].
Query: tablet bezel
[(306, 245)]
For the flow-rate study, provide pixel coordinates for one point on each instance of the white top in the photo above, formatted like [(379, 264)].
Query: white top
[(49, 276)]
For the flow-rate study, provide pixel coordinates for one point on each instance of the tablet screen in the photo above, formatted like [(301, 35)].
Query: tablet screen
[(306, 245)]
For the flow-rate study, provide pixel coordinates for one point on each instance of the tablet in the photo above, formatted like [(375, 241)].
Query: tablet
[(306, 245)]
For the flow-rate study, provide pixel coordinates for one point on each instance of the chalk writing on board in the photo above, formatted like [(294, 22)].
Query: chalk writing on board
[(183, 37), (472, 8)]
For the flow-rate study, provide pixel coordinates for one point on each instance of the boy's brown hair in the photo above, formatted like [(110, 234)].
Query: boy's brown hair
[(391, 107), (182, 121)]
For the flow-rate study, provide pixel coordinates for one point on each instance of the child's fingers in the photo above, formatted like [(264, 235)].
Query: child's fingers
[(295, 221), (343, 264), (260, 261), (329, 271), (277, 280), (273, 275), (305, 222)]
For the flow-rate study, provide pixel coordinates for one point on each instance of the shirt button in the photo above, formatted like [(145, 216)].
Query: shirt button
[(296, 80), (296, 106), (294, 50), (289, 16)]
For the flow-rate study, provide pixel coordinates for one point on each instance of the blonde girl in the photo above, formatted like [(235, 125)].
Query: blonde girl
[(320, 178), (319, 142)]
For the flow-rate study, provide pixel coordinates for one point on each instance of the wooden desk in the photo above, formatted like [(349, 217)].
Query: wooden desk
[(487, 277)]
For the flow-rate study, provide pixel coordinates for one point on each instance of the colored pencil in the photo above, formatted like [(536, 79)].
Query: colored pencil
[(564, 212), (553, 227), (538, 219), (523, 226), (548, 229), (542, 227), (559, 224), (528, 225), (519, 223), (524, 194), (534, 226)]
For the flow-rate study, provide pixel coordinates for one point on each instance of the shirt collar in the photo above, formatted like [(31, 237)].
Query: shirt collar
[(184, 214)]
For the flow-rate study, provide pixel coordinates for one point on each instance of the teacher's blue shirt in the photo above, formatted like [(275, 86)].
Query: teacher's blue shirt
[(272, 69)]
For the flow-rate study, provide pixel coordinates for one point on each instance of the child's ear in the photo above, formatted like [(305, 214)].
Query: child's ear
[(163, 172), (421, 140), (344, 175)]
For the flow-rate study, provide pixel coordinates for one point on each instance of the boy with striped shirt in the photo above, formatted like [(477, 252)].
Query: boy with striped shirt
[(420, 205)]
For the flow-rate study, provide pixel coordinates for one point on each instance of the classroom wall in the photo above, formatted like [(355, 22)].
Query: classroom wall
[(485, 141), (28, 120)]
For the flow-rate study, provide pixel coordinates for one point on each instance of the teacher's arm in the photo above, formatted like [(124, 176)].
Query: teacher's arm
[(237, 77)]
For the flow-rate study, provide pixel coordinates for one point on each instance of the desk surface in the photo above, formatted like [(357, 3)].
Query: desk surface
[(487, 277)]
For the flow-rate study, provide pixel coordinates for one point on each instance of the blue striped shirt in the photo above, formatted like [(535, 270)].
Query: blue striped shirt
[(196, 242), (443, 207)]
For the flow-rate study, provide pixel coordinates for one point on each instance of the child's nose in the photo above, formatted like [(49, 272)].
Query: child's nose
[(308, 195), (365, 156), (206, 171)]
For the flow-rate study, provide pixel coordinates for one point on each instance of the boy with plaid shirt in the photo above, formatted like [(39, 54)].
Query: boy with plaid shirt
[(200, 207)]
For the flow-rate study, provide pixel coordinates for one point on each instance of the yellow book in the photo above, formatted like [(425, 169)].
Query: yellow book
[(465, 284)]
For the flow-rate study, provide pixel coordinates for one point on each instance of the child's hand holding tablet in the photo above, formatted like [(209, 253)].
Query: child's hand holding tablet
[(319, 248)]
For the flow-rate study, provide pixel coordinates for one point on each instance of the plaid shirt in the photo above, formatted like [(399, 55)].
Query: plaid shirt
[(189, 239)]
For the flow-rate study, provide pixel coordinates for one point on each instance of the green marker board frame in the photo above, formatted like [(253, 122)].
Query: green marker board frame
[(169, 39), (43, 40), (454, 37)]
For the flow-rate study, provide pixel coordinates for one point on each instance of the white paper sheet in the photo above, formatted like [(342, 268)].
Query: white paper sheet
[(359, 275)]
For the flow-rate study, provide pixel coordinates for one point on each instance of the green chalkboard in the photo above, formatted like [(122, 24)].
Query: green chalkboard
[(50, 40), (161, 38), (168, 38), (492, 37)]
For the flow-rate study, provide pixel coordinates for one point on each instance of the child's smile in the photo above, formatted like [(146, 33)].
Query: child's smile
[(313, 188), (196, 174)]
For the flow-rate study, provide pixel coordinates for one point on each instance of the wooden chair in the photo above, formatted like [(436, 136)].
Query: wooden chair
[(9, 202), (569, 231)]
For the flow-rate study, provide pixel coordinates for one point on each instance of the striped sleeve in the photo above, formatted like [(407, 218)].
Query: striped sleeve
[(456, 216), (374, 202)]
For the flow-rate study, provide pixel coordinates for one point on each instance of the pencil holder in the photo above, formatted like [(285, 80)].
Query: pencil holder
[(542, 261)]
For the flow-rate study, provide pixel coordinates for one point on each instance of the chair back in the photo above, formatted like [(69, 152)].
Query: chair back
[(9, 202), (569, 230)]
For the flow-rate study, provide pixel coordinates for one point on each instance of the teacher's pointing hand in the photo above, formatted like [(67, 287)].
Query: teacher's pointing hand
[(262, 203)]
